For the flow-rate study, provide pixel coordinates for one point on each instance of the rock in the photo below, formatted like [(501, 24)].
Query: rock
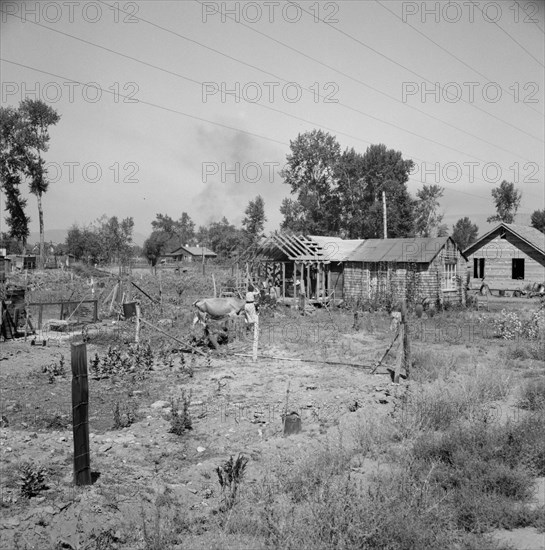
[(201, 449), (191, 490), (105, 448), (11, 522), (61, 439), (49, 510), (160, 404), (311, 387)]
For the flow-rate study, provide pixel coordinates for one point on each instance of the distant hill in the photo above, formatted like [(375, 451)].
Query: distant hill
[(58, 236)]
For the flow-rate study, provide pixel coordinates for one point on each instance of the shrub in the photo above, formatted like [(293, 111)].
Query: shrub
[(32, 479), (55, 369), (533, 395), (510, 326), (230, 476), (124, 415), (180, 418)]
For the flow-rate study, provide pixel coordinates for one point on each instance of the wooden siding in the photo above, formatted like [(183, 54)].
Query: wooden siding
[(363, 280), (498, 254)]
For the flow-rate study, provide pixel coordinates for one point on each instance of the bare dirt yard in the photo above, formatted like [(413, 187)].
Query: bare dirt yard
[(452, 457)]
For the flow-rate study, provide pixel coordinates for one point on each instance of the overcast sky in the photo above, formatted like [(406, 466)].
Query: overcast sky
[(455, 86)]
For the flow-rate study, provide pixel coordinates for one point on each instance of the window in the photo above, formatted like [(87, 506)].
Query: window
[(478, 268), (517, 268), (449, 277)]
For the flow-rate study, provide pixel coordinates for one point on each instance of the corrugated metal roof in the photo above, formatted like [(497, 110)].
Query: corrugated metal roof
[(413, 250), (531, 235), (336, 249)]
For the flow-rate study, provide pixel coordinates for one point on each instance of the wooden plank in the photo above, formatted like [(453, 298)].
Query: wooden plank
[(80, 415)]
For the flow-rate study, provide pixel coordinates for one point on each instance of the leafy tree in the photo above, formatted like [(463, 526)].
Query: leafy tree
[(310, 171), (222, 237), (85, 244), (442, 230), (538, 220), (386, 170), (12, 168), (254, 220), (175, 233), (10, 243), (464, 232), (116, 238), (108, 240), (351, 190), (37, 117), (507, 201), (154, 246), (428, 219)]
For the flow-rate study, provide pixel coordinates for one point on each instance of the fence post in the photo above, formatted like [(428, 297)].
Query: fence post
[(80, 414), (137, 323), (256, 337)]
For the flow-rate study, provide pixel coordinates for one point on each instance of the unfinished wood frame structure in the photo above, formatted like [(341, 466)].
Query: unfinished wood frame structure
[(282, 259)]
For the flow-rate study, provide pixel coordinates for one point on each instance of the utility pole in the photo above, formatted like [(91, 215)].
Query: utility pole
[(384, 218)]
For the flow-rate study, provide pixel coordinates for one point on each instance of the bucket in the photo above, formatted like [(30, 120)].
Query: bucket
[(292, 423)]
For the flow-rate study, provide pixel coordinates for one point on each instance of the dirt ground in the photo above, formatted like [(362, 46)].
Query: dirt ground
[(236, 407)]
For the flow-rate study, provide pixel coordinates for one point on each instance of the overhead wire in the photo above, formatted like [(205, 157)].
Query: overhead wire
[(363, 44)]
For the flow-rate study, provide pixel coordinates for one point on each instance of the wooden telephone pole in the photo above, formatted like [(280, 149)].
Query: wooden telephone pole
[(384, 217)]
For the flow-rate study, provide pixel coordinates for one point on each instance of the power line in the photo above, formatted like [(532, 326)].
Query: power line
[(522, 8), (346, 75), (309, 90), (451, 54), (162, 107), (353, 38), (513, 39), (175, 111)]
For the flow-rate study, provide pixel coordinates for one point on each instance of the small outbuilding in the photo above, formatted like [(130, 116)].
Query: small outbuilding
[(509, 258)]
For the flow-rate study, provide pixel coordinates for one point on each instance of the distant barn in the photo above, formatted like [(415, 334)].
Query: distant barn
[(508, 258)]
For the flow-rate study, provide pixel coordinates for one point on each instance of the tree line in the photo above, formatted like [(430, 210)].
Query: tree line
[(332, 192)]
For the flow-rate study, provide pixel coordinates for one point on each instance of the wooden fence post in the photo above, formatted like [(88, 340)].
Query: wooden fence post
[(80, 414), (256, 337), (137, 328)]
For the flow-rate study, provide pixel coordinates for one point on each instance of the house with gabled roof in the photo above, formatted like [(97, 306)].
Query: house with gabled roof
[(510, 257), (190, 253), (412, 269), (361, 270)]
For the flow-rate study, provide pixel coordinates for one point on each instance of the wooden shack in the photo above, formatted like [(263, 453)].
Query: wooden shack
[(410, 269), (283, 259), (508, 258)]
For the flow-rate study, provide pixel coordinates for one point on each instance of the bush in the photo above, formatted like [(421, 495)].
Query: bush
[(510, 326), (32, 479), (230, 476), (180, 418), (533, 395)]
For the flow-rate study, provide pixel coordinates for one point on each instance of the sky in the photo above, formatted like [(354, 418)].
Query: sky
[(190, 106)]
